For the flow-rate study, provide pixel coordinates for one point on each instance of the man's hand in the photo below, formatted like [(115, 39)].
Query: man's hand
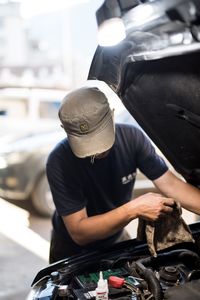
[(151, 206)]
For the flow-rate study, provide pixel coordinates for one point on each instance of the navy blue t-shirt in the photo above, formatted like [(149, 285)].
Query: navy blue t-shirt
[(107, 183)]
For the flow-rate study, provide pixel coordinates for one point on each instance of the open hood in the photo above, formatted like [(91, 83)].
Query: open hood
[(155, 70)]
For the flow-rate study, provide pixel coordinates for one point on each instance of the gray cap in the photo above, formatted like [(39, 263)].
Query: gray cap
[(88, 121)]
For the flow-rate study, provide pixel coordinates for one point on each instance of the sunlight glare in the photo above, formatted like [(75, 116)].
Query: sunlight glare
[(14, 225)]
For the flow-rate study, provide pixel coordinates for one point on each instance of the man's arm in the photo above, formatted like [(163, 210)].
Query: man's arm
[(171, 186), (84, 229), (150, 206)]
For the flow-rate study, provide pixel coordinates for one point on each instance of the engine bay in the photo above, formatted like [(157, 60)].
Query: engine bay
[(145, 278), (131, 274)]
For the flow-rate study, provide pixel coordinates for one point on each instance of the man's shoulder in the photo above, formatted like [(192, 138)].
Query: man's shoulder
[(127, 128), (61, 149), (131, 135)]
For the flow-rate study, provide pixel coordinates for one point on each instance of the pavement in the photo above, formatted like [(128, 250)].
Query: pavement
[(18, 267), (23, 252)]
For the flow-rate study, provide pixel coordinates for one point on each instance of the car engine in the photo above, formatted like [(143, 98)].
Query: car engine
[(131, 273)]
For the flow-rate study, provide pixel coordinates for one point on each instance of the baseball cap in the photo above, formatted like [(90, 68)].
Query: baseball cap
[(88, 121)]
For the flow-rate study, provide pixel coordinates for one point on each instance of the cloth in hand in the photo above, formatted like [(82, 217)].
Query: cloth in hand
[(169, 230)]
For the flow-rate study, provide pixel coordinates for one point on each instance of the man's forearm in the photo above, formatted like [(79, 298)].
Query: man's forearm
[(84, 229), (186, 194), (89, 229)]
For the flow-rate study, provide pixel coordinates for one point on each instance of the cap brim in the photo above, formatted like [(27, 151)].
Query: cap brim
[(91, 144)]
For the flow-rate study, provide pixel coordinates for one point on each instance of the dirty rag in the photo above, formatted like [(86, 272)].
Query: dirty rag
[(169, 230)]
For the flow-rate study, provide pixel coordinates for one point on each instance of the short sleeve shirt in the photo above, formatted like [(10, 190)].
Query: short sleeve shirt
[(105, 184)]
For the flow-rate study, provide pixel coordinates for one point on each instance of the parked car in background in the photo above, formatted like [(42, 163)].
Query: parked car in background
[(29, 129)]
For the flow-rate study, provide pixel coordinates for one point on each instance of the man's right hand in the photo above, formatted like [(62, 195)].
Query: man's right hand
[(151, 206)]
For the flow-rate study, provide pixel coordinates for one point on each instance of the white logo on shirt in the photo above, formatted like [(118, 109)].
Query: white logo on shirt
[(128, 178)]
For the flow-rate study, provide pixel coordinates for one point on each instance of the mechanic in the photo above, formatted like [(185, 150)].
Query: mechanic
[(92, 172)]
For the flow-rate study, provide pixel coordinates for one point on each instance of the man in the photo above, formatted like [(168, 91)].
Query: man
[(92, 174)]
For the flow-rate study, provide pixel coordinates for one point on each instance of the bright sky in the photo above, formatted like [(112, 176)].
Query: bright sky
[(34, 7)]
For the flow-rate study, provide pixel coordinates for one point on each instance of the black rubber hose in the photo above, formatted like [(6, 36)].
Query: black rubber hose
[(184, 255), (153, 283), (190, 259), (141, 267)]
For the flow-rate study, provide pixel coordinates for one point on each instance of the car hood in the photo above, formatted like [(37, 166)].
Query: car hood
[(157, 78)]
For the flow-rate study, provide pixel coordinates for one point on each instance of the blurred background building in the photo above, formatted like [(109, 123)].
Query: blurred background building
[(48, 49)]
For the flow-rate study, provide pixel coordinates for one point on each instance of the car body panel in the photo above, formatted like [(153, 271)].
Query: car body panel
[(168, 89)]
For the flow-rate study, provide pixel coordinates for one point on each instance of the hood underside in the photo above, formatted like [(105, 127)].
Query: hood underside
[(160, 86)]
